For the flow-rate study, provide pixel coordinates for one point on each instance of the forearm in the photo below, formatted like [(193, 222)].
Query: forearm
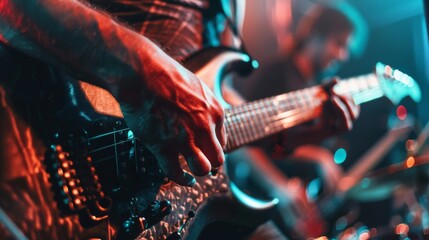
[(80, 40)]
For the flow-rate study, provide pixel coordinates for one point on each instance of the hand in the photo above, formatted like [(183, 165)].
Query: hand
[(339, 112), (337, 116), (179, 115)]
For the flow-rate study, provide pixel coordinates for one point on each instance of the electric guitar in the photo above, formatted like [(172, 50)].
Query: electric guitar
[(99, 171)]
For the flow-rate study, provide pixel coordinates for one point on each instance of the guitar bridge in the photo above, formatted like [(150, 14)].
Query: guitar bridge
[(75, 184)]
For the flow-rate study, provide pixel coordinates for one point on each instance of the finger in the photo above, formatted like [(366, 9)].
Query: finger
[(329, 84), (197, 161), (221, 133), (345, 121), (211, 148), (203, 151), (352, 107), (170, 166)]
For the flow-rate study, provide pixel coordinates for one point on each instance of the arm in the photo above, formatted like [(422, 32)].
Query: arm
[(150, 86)]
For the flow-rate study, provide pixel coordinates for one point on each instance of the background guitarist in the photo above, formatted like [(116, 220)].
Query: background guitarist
[(325, 37), (130, 48)]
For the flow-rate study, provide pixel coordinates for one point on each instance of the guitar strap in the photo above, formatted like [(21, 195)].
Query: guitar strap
[(230, 12), (228, 9)]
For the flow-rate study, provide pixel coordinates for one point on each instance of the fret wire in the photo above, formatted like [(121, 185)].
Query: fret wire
[(267, 116), (270, 113), (258, 118), (136, 157), (304, 98), (251, 114), (294, 121), (363, 84), (103, 159), (303, 115), (273, 109), (274, 112), (244, 125), (298, 99), (359, 84), (248, 125), (116, 154), (374, 82), (236, 135), (261, 118), (277, 106), (109, 146), (289, 114), (315, 100), (228, 125), (232, 139), (264, 116), (282, 106), (236, 129), (108, 133), (244, 136), (255, 112), (367, 96), (292, 103), (354, 86), (238, 122)]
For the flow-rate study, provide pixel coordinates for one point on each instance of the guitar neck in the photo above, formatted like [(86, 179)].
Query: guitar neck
[(252, 121), (362, 88), (255, 120)]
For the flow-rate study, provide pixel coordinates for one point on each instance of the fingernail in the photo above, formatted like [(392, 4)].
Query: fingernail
[(192, 182), (191, 179)]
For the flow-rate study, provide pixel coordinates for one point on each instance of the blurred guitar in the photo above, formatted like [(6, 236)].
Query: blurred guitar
[(311, 220)]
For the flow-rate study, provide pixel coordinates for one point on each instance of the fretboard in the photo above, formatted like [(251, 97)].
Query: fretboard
[(255, 120)]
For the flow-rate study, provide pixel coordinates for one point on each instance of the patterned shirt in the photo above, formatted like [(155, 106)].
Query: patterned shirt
[(175, 25)]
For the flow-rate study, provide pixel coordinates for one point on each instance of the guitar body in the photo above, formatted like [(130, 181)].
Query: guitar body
[(104, 182)]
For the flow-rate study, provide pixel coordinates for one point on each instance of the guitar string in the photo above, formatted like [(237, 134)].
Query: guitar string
[(280, 123), (233, 119), (285, 124), (365, 84), (251, 110), (108, 133), (276, 127), (258, 109), (285, 98)]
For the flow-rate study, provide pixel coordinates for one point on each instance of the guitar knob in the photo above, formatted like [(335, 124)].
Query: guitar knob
[(138, 221), (177, 234), (159, 209), (132, 227)]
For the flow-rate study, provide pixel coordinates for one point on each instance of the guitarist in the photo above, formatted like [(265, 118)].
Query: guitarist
[(122, 50), (324, 39), (130, 48)]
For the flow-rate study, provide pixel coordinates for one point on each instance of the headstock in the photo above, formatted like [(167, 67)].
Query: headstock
[(396, 85)]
